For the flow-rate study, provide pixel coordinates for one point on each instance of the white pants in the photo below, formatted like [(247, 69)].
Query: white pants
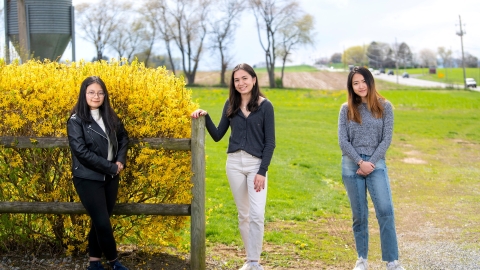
[(241, 170)]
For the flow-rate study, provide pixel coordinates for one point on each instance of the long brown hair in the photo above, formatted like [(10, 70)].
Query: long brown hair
[(234, 97), (374, 99)]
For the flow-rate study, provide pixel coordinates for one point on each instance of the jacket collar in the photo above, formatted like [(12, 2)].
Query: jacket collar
[(95, 127)]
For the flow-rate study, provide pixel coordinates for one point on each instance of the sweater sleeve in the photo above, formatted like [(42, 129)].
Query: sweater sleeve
[(269, 126), (387, 133), (217, 133), (343, 140)]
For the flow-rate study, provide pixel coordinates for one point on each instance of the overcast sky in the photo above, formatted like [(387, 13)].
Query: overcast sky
[(343, 23)]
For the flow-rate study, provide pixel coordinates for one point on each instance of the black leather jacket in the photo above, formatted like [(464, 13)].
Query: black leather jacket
[(89, 147)]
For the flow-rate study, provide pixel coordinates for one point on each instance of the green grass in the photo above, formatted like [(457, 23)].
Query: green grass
[(445, 75), (305, 185)]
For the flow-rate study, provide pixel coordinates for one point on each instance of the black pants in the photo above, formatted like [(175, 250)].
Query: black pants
[(98, 198)]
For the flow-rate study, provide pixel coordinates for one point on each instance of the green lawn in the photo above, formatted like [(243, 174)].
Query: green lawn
[(304, 177)]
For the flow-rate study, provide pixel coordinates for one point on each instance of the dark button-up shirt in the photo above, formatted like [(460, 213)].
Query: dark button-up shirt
[(254, 134)]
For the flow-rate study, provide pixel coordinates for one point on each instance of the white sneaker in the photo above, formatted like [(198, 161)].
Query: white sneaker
[(361, 264), (255, 266), (246, 266), (395, 265)]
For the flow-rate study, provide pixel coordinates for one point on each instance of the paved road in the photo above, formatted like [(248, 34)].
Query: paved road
[(414, 82)]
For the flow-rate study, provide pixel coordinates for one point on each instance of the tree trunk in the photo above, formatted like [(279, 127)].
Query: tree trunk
[(170, 58), (284, 60), (270, 70), (190, 78), (223, 70)]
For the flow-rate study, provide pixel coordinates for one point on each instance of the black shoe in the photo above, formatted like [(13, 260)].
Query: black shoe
[(116, 265), (96, 265)]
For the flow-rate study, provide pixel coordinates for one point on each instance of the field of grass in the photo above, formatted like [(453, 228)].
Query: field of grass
[(307, 209)]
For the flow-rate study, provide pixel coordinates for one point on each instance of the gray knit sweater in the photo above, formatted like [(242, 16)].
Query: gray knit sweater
[(371, 138)]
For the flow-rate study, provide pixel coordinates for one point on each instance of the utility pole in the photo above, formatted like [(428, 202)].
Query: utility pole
[(396, 58), (461, 33)]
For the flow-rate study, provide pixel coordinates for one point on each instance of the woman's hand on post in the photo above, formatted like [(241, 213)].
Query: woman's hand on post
[(259, 182), (119, 167), (198, 113)]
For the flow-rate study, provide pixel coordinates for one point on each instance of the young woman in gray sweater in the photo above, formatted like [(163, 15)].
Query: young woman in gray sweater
[(365, 127)]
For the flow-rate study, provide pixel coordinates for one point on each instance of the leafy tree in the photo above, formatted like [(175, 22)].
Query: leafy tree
[(222, 31), (271, 16), (297, 32), (355, 56)]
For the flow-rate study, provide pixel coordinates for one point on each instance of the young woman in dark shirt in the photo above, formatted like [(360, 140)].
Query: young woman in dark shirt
[(252, 141)]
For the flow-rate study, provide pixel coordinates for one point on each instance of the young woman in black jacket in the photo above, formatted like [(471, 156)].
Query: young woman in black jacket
[(98, 142)]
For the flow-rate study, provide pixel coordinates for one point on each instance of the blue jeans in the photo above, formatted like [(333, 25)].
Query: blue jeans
[(378, 185)]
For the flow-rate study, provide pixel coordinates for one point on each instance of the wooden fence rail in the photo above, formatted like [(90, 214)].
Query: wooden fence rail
[(196, 210)]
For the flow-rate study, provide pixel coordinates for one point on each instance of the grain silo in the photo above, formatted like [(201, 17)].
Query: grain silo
[(48, 24)]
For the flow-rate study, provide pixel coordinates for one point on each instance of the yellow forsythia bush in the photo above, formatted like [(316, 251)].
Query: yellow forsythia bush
[(35, 101)]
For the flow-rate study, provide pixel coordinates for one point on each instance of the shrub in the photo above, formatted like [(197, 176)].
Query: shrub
[(35, 100)]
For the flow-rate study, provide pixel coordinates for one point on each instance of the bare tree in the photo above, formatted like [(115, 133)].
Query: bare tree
[(427, 58), (271, 16), (157, 13), (128, 39), (404, 55), (188, 25), (222, 31), (99, 21), (471, 61), (336, 58), (376, 53), (446, 56), (297, 32)]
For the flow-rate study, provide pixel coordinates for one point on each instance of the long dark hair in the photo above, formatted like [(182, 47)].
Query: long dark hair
[(234, 97), (82, 110), (374, 99)]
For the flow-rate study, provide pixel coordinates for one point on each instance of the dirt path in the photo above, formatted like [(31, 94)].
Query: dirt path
[(312, 80)]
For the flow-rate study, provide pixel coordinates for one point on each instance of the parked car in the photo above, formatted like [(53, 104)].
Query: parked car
[(470, 82), (405, 75), (390, 72), (376, 72), (382, 70)]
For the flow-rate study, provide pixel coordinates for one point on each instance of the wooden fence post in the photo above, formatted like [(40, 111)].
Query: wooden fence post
[(197, 221)]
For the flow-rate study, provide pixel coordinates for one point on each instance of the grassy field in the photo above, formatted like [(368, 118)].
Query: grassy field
[(307, 210)]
